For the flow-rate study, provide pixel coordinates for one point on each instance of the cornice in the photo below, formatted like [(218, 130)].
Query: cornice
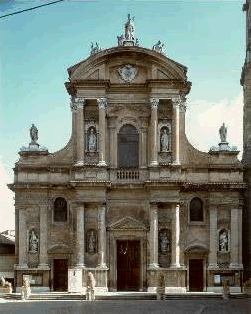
[(213, 186)]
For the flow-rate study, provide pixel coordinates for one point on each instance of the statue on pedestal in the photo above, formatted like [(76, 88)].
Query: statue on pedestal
[(129, 28), (223, 133), (33, 134)]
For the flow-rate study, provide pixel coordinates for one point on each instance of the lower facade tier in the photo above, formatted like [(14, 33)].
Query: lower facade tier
[(172, 280)]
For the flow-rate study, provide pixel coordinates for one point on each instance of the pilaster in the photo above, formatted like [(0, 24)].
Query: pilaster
[(176, 107), (43, 256), (176, 236), (80, 237), (154, 131), (212, 257), (22, 260), (102, 131), (154, 236), (79, 131), (102, 237)]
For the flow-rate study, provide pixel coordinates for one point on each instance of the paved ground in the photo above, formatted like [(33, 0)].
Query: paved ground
[(128, 307)]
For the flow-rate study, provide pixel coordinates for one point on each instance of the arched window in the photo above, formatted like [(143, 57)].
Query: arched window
[(60, 210), (128, 147), (196, 209)]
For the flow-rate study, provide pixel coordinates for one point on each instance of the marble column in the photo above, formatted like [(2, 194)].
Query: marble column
[(79, 131), (213, 246), (43, 256), (235, 238), (80, 236), (154, 131), (176, 106), (102, 131), (154, 236), (176, 236), (22, 239), (102, 237)]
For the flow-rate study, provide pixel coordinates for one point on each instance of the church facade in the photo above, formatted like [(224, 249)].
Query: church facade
[(128, 197)]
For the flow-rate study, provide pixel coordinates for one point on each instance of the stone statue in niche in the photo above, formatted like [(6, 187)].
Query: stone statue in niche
[(92, 140), (33, 242), (223, 241), (91, 242), (164, 243), (164, 141)]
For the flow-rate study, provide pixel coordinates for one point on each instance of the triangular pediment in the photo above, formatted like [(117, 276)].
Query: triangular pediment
[(128, 223)]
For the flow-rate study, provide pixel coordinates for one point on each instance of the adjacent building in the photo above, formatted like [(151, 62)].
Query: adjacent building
[(129, 197)]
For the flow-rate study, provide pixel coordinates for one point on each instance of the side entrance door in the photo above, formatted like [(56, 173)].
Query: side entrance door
[(196, 275), (60, 274), (128, 265)]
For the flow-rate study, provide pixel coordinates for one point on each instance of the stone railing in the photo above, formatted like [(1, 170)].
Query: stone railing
[(128, 175)]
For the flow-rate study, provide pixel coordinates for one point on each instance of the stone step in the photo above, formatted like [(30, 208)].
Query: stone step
[(123, 296)]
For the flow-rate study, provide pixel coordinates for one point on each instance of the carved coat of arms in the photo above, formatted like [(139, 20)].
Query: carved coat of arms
[(128, 73)]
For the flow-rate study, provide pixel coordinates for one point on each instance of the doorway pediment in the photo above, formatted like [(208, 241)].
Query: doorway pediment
[(128, 223)]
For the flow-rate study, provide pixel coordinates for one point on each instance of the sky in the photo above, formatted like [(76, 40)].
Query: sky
[(37, 47)]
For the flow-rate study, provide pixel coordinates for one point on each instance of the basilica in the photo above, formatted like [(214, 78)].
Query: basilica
[(128, 198)]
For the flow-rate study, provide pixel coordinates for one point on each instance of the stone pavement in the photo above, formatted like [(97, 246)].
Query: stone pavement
[(239, 306)]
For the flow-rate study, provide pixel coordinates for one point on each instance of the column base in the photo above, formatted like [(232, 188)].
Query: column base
[(43, 266), (80, 265), (213, 266), (102, 266), (102, 163), (79, 164), (21, 266), (153, 266), (154, 163), (236, 266), (176, 163), (176, 265)]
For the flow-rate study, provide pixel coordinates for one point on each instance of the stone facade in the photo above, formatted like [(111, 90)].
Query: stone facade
[(128, 197)]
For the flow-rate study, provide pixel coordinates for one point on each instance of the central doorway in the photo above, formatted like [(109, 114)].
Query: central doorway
[(196, 275), (128, 265), (60, 274)]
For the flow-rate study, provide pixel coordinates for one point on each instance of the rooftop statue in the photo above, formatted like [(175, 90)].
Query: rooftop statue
[(33, 134), (95, 49), (223, 133), (129, 28), (127, 39), (158, 47)]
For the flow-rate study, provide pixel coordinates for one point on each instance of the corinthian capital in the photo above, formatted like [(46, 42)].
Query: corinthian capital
[(154, 103), (77, 103), (176, 102), (102, 103)]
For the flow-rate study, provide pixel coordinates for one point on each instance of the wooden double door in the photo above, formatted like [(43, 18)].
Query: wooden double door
[(128, 265)]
